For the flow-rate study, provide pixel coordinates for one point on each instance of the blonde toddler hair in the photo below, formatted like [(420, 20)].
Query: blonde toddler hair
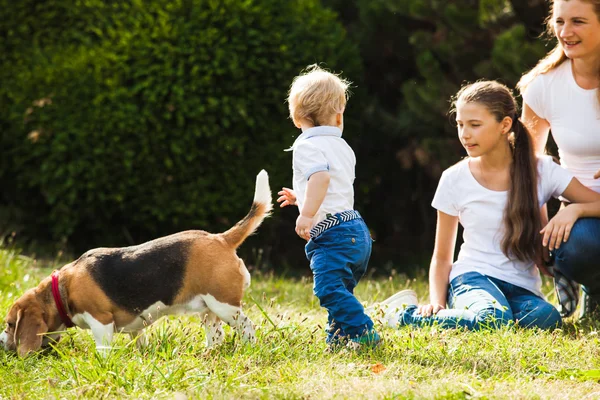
[(316, 95)]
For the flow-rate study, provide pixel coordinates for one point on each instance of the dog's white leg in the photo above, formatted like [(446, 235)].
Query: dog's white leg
[(103, 334), (233, 316), (141, 341), (245, 327), (213, 329), (3, 340)]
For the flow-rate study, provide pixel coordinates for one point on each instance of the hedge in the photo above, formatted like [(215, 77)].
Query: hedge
[(123, 121)]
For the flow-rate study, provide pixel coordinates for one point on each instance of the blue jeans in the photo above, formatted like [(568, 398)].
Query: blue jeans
[(478, 301), (338, 260), (579, 258)]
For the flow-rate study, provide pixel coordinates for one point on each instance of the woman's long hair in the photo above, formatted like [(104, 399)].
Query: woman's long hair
[(521, 217), (556, 56)]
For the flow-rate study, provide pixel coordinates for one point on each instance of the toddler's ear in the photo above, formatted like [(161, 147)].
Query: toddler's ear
[(297, 123)]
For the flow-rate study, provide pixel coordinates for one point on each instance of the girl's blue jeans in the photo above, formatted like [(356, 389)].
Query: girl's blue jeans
[(579, 258), (338, 260), (478, 301)]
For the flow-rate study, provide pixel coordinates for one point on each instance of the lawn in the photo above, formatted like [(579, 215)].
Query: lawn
[(290, 359)]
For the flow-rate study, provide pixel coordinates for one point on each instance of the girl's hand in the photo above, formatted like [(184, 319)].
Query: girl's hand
[(559, 227), (303, 226), (287, 196), (427, 310), (597, 174)]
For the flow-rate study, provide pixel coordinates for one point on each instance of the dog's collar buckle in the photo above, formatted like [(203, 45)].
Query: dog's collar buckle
[(58, 301)]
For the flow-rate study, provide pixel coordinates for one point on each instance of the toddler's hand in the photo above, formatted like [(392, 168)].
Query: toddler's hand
[(287, 196), (303, 226), (427, 310)]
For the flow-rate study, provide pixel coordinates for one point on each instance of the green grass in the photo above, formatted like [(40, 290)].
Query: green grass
[(290, 359)]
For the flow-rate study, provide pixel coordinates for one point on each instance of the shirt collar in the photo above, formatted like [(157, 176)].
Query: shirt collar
[(317, 131)]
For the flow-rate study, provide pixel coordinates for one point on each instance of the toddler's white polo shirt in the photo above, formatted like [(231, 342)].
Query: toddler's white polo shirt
[(322, 149)]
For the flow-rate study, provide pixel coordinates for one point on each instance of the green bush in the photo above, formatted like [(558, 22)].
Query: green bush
[(122, 121), (416, 55)]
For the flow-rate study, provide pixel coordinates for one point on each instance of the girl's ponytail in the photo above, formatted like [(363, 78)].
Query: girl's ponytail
[(522, 213)]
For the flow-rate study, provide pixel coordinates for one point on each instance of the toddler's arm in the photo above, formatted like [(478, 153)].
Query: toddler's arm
[(315, 193)]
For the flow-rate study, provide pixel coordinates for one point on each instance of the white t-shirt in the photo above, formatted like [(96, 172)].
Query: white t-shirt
[(322, 149), (574, 117), (480, 212)]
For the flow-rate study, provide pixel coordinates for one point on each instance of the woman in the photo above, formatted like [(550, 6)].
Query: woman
[(561, 94)]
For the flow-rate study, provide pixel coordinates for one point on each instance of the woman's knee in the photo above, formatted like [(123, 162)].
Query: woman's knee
[(581, 251)]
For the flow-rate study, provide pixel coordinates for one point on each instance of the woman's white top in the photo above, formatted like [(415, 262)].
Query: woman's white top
[(574, 117), (480, 212)]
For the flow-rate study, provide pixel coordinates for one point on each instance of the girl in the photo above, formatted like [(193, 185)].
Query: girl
[(562, 94), (496, 194)]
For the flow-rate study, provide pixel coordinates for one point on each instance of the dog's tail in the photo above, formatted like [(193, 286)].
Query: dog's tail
[(261, 207)]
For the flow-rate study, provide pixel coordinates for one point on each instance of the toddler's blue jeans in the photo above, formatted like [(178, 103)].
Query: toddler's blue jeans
[(338, 260), (579, 258), (478, 301)]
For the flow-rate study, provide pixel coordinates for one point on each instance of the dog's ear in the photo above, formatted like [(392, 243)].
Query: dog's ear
[(29, 328)]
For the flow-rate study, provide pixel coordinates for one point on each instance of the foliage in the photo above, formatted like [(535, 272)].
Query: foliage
[(123, 121), (417, 54), (290, 361)]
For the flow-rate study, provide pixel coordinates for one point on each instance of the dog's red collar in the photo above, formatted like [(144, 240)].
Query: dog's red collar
[(59, 304)]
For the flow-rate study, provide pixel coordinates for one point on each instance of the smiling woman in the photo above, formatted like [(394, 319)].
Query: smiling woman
[(562, 94), (578, 31)]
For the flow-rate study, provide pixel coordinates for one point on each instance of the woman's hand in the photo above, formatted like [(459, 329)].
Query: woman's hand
[(559, 227), (597, 174), (287, 197), (427, 310)]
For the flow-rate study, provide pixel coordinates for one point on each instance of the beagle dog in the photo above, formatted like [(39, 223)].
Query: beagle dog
[(125, 289)]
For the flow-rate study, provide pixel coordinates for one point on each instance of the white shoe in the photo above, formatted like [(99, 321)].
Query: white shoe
[(387, 311)]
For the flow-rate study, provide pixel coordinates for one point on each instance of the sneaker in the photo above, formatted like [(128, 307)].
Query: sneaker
[(590, 308), (368, 340), (386, 312)]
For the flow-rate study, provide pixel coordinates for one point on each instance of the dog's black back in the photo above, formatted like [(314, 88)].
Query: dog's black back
[(136, 277)]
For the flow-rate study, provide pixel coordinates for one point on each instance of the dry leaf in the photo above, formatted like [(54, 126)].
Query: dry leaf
[(378, 368)]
